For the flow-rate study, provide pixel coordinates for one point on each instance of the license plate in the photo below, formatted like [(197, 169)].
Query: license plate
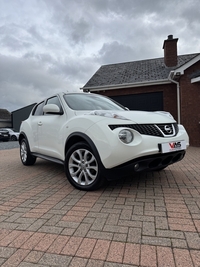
[(173, 146)]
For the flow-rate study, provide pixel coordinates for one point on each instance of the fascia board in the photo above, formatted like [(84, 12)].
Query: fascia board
[(187, 65), (126, 85), (195, 80)]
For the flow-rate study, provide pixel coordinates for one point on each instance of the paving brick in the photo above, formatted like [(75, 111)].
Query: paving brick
[(6, 252), (151, 220), (57, 246), (132, 254), (115, 229), (100, 235), (100, 250), (148, 256), (126, 214), (96, 263), (165, 257), (193, 240), (120, 237), (182, 257), (134, 235), (130, 223), (9, 238), (16, 258), (195, 255), (72, 246), (156, 241), (86, 248), (36, 225), (142, 218), (7, 225), (34, 256), (116, 252), (33, 241), (55, 260), (4, 233), (20, 239), (182, 227), (184, 215), (179, 243), (148, 228), (82, 230), (161, 223), (197, 224), (54, 219), (45, 242), (50, 229), (78, 262), (170, 234), (112, 219), (98, 224)]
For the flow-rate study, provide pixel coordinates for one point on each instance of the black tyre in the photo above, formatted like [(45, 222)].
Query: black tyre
[(13, 138), (25, 154), (160, 168), (83, 167)]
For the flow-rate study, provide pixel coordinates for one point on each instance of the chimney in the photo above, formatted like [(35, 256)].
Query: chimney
[(170, 51)]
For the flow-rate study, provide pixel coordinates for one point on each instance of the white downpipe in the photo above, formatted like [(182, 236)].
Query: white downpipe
[(178, 96)]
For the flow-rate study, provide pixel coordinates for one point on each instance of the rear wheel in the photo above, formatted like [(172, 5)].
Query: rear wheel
[(82, 167), (25, 154), (13, 138)]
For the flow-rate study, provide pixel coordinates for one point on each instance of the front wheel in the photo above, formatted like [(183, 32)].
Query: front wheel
[(25, 154), (160, 168), (82, 167)]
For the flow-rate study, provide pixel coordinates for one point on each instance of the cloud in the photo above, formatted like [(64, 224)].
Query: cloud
[(24, 81), (49, 46)]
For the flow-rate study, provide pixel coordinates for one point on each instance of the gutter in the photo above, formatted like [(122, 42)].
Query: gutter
[(178, 94)]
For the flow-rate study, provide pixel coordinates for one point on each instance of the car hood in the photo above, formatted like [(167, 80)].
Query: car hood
[(139, 117)]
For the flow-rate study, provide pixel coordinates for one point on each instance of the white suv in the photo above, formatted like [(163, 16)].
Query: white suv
[(96, 138)]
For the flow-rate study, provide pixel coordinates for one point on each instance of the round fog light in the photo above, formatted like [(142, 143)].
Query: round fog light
[(126, 136)]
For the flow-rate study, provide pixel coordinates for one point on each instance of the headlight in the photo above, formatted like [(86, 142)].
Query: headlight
[(126, 136)]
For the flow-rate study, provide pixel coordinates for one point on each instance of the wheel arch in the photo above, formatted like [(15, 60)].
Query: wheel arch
[(81, 137), (21, 136)]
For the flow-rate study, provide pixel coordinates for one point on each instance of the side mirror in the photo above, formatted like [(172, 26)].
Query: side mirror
[(52, 109)]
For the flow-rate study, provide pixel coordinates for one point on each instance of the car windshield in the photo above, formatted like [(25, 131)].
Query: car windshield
[(88, 101)]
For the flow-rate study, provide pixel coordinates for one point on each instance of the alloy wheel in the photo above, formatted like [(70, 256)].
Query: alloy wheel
[(83, 167), (23, 152)]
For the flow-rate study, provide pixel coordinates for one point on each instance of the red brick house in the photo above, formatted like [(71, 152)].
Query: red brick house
[(171, 83)]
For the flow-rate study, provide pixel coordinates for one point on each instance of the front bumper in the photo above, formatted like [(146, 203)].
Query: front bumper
[(146, 163)]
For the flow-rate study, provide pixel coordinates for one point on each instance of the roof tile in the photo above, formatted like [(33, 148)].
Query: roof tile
[(134, 72)]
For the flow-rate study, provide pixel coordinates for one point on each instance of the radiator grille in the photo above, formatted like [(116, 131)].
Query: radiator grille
[(161, 130)]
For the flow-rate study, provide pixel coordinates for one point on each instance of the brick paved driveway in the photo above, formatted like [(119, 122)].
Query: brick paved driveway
[(150, 220)]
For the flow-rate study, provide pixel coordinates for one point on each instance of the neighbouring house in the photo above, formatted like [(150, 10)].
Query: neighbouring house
[(5, 118), (170, 83)]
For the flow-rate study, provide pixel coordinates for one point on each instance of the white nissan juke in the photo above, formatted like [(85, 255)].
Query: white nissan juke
[(96, 138)]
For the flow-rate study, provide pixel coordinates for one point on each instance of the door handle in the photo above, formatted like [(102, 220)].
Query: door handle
[(40, 123)]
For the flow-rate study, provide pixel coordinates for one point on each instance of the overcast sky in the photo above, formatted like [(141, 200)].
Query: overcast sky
[(48, 46)]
